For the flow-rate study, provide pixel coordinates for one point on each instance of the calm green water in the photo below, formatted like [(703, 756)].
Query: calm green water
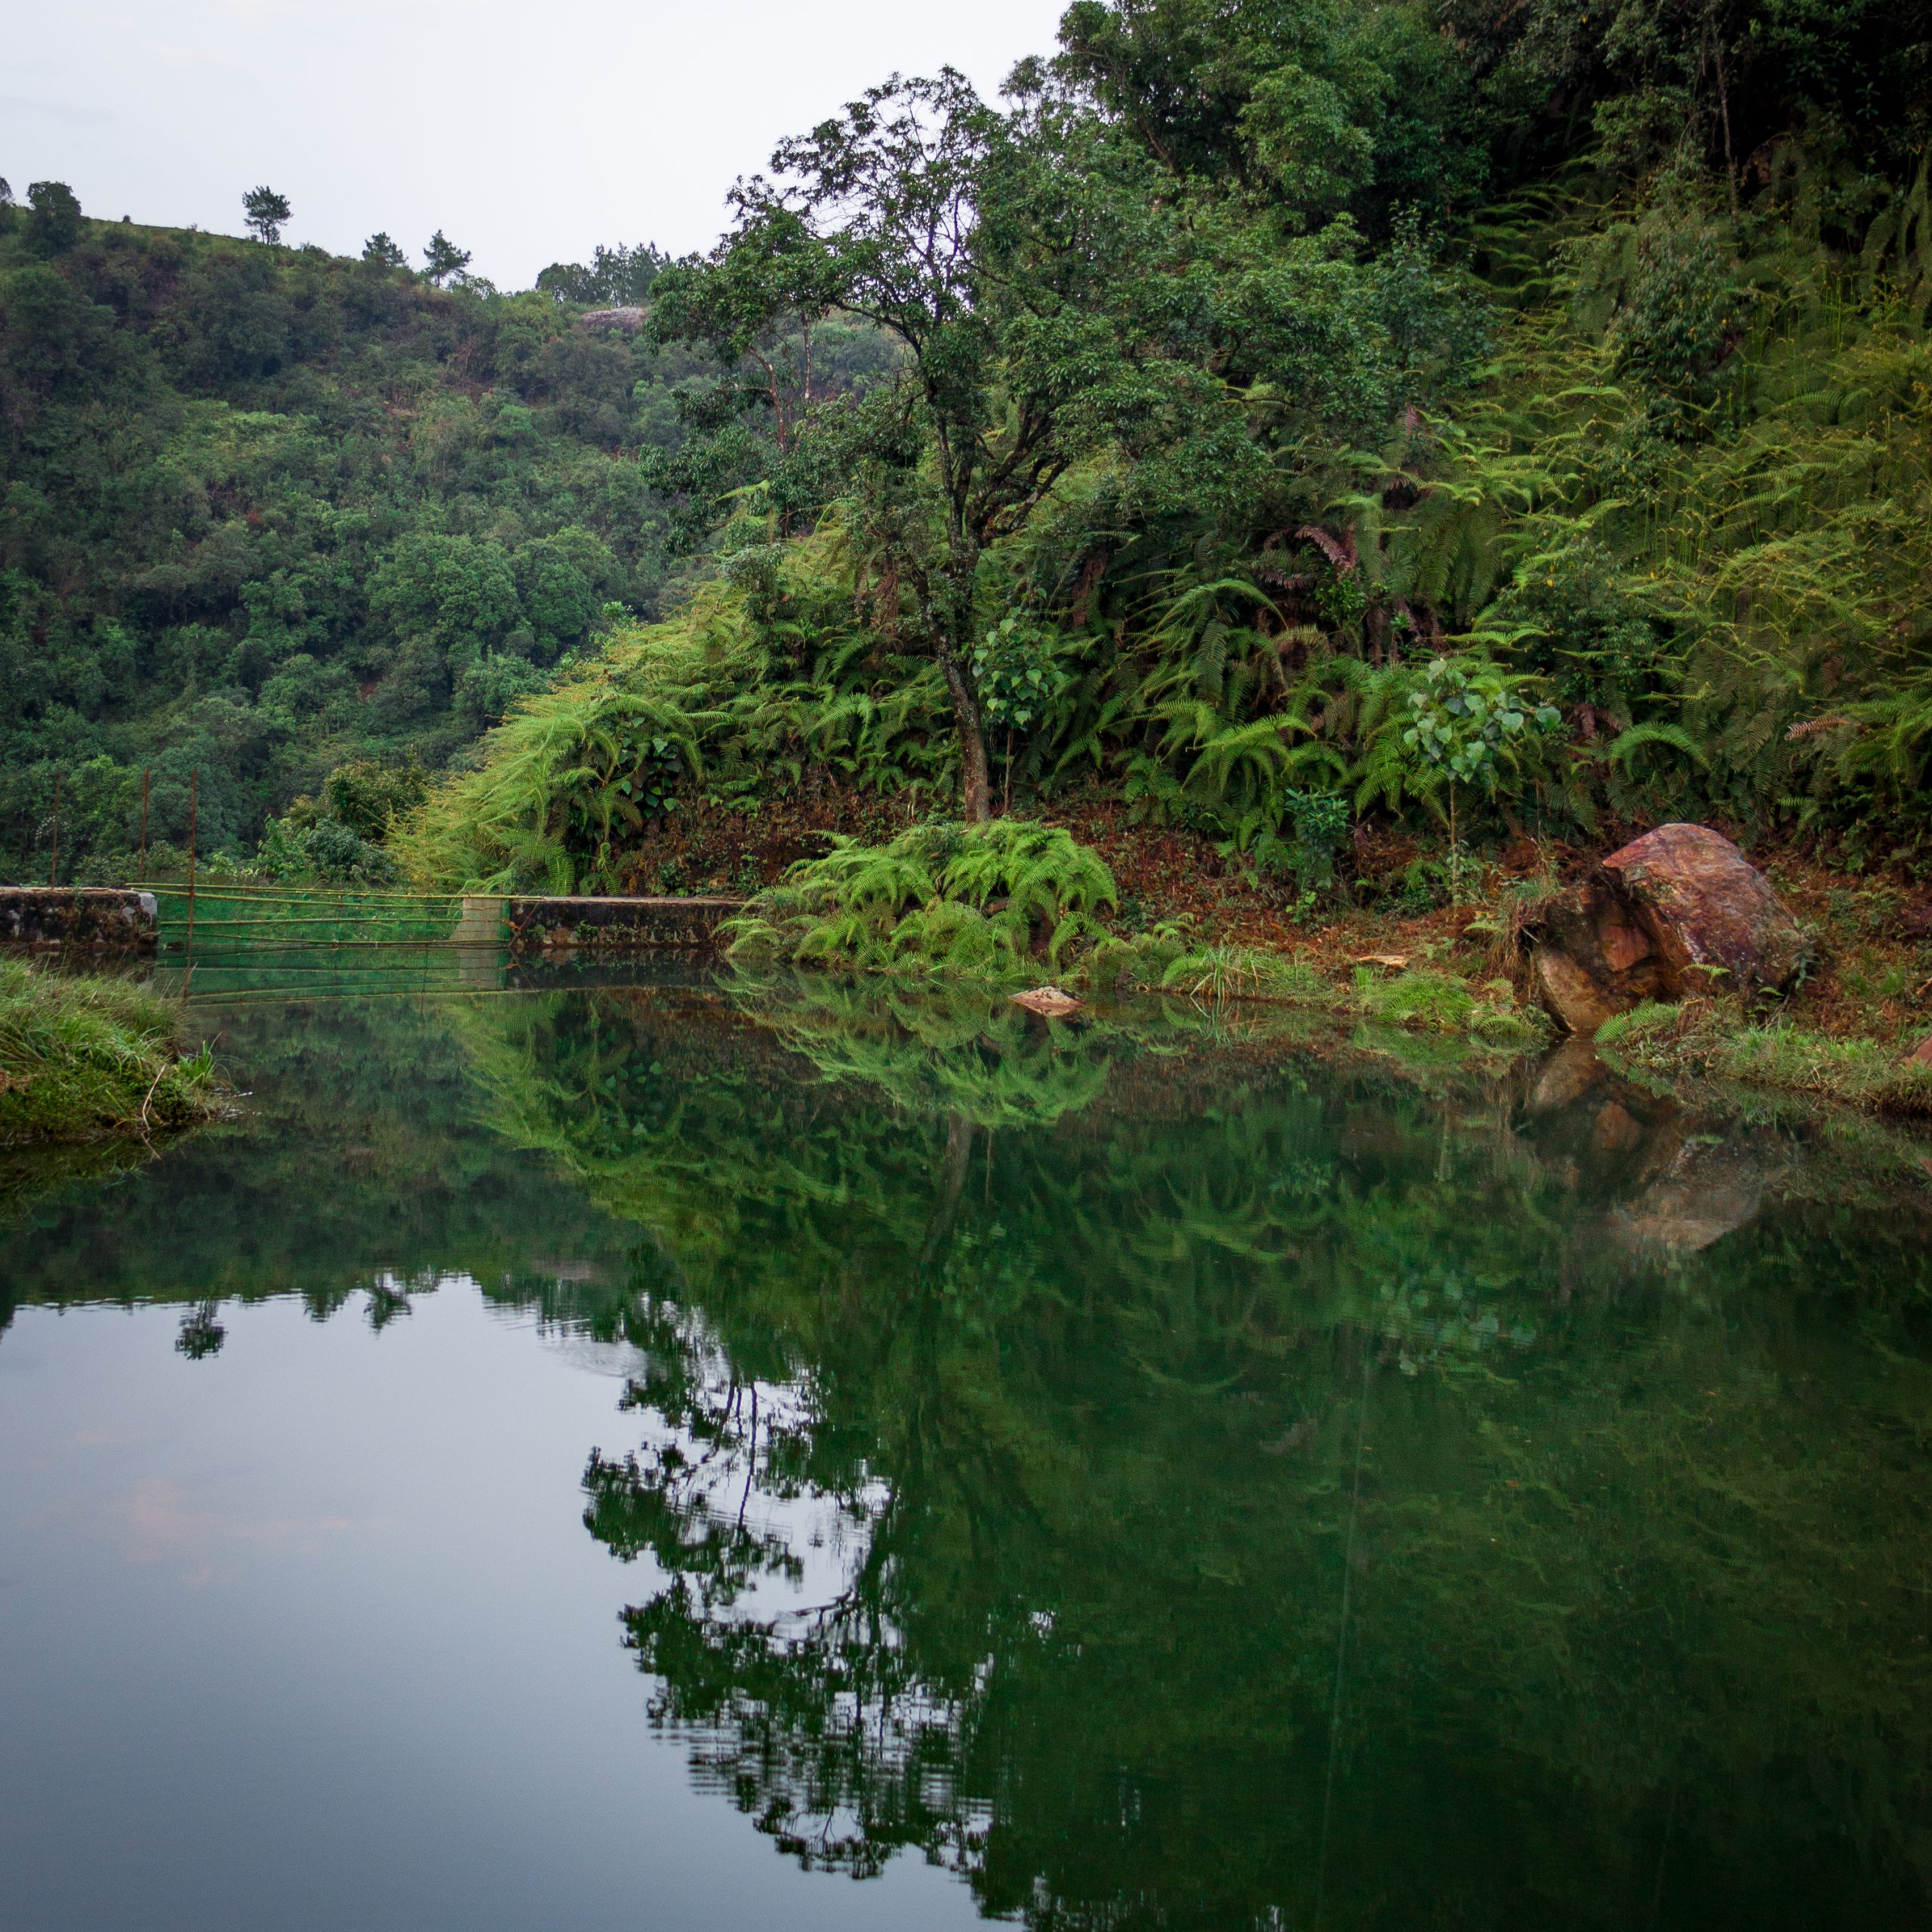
[(634, 1456)]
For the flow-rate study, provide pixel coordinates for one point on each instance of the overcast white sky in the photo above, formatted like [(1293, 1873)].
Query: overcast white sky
[(527, 132)]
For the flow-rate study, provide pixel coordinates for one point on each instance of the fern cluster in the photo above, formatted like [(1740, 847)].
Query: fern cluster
[(985, 902)]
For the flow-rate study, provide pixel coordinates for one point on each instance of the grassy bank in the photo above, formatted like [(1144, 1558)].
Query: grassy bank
[(1015, 904), (84, 1057), (1009, 904), (1716, 1040)]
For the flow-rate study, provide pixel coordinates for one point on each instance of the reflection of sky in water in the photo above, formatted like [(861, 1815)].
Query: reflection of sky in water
[(309, 1634)]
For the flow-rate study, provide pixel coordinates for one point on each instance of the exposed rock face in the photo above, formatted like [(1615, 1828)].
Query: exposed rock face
[(1672, 913), (1594, 955), (611, 321), (1706, 904)]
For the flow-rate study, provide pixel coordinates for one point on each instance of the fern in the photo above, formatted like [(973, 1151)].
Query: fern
[(963, 901)]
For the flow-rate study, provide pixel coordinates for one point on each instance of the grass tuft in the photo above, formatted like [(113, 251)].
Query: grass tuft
[(1713, 1038), (83, 1057)]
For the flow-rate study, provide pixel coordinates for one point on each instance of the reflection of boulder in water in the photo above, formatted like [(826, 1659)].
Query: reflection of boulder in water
[(1566, 1078), (1594, 1129), (1709, 1191), (1674, 1189)]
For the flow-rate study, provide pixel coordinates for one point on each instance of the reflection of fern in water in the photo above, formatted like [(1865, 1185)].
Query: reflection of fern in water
[(1080, 1406), (938, 1053)]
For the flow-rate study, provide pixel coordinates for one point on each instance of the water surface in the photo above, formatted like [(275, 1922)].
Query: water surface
[(642, 1456)]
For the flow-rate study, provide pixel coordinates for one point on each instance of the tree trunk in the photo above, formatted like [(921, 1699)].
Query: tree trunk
[(975, 785), (952, 1184)]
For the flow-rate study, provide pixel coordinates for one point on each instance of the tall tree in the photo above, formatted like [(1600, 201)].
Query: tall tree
[(265, 211), (383, 251), (1010, 255), (443, 258), (53, 218)]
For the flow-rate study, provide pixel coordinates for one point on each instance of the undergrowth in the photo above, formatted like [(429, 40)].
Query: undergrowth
[(1008, 902), (1590, 592)]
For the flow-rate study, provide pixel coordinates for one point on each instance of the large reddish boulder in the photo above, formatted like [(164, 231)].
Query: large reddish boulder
[(1678, 912)]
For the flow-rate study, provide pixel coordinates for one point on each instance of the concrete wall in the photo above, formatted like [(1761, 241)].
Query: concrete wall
[(77, 915)]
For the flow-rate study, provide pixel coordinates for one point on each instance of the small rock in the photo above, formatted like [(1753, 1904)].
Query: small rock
[(1921, 1054), (1048, 1001)]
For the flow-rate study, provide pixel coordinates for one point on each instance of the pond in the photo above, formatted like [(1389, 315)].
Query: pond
[(678, 1455)]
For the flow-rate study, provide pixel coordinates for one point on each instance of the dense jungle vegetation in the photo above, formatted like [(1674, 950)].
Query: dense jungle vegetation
[(1270, 419), (278, 518)]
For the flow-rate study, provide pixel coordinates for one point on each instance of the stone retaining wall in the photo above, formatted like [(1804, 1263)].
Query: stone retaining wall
[(89, 915), (549, 924)]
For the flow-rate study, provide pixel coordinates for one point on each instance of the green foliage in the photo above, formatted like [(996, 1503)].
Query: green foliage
[(619, 275), (322, 849), (52, 225), (83, 1056), (982, 901), (266, 212), (1186, 425), (443, 259), (270, 512), (1473, 721), (1017, 675)]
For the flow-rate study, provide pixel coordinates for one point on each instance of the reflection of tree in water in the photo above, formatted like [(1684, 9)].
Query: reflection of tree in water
[(1001, 1481), (995, 1492), (202, 1335), (357, 1151), (802, 1703)]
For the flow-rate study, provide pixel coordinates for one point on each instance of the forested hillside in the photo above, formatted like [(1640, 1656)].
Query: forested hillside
[(270, 513), (1276, 421)]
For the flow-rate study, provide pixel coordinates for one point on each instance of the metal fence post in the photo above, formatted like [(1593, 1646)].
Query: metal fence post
[(194, 799)]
